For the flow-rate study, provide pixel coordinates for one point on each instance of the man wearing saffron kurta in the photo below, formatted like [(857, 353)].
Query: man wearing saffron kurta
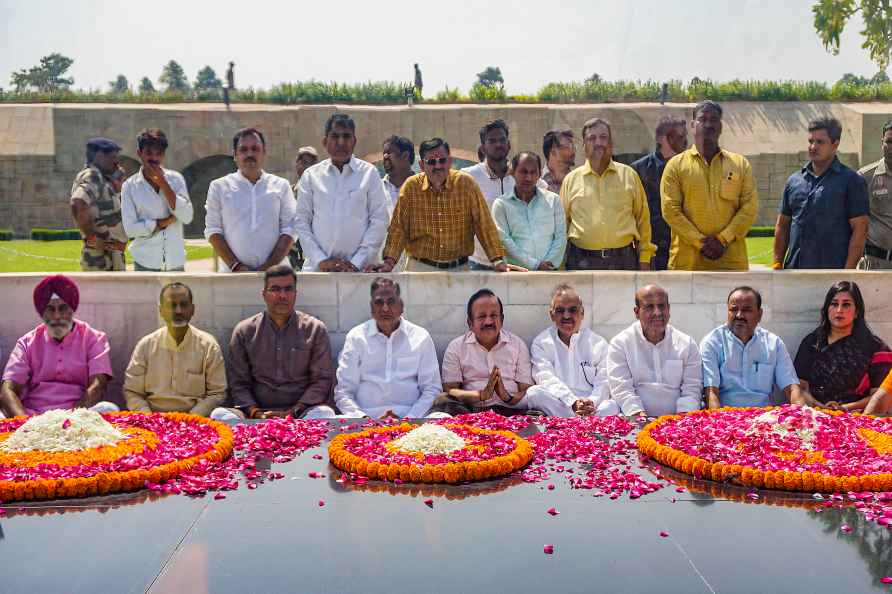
[(177, 368), (709, 199), (62, 363)]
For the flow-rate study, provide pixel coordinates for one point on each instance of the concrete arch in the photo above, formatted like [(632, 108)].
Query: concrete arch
[(199, 176)]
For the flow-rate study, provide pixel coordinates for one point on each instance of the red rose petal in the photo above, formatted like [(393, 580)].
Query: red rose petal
[(548, 549), (429, 503), (219, 496), (663, 534), (321, 503), (552, 511)]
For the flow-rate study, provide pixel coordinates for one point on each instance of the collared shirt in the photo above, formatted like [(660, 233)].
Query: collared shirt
[(393, 194), (879, 184), (341, 214), (607, 211), (659, 379), (98, 193), (467, 363), (491, 186), (532, 232), (56, 374), (821, 208), (141, 207), (441, 225), (275, 368), (377, 373), (746, 374), (552, 184), (250, 217), (164, 376), (650, 170), (701, 200), (574, 372)]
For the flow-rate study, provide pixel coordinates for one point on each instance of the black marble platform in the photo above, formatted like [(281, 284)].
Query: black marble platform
[(485, 537)]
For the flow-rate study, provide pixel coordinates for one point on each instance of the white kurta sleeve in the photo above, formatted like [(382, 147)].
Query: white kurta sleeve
[(546, 376), (692, 380), (620, 378), (303, 223), (349, 375), (379, 220), (429, 383)]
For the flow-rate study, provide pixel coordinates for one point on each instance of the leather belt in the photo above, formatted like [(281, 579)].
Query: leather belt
[(443, 265), (605, 253), (874, 251)]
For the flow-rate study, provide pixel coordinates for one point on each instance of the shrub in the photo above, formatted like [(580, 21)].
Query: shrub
[(760, 232), (43, 234), (6, 235)]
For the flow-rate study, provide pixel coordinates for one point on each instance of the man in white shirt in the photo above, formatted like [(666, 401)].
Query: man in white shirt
[(250, 213), (492, 175), (652, 368), (388, 366), (342, 213), (569, 363), (398, 158), (155, 205)]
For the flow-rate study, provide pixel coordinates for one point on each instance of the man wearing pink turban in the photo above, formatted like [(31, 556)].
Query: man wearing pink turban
[(62, 363)]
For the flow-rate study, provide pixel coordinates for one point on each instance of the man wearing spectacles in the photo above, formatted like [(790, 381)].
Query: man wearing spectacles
[(569, 363), (280, 359), (653, 368), (437, 216), (388, 366)]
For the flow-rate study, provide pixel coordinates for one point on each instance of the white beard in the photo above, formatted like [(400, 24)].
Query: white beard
[(60, 331)]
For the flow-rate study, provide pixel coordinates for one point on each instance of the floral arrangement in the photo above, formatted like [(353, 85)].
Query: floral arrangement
[(152, 448), (790, 448), (379, 453)]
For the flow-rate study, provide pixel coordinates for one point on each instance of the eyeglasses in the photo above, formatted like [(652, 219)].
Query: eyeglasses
[(277, 290), (440, 161), (559, 311)]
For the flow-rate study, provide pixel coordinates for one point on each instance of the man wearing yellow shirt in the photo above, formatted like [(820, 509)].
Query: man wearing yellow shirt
[(177, 368), (709, 199), (608, 222)]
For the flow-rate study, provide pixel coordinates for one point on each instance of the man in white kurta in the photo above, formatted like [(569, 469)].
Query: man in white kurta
[(342, 215), (569, 363), (653, 368), (388, 366)]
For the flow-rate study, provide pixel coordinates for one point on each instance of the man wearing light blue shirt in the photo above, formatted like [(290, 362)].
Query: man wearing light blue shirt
[(742, 363), (531, 220)]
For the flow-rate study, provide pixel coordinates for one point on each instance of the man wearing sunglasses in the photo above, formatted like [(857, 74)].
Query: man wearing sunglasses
[(437, 216), (570, 363)]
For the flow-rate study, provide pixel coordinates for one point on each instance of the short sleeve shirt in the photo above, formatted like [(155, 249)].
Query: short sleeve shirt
[(103, 201), (821, 208)]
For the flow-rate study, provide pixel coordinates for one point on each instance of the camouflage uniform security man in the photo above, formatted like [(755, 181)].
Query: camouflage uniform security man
[(96, 208)]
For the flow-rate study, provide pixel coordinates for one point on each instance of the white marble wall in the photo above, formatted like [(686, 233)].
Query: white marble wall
[(125, 305)]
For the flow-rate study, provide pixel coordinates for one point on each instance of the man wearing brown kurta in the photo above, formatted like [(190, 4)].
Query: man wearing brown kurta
[(280, 359)]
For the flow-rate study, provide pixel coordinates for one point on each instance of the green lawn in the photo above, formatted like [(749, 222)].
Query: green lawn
[(760, 250), (61, 256)]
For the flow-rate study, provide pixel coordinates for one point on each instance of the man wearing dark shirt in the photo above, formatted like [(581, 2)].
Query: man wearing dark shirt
[(824, 211), (672, 138), (280, 359)]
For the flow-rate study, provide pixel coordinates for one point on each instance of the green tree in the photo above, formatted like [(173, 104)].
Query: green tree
[(146, 86), (46, 76), (831, 17), (120, 84), (491, 77), (174, 77), (207, 80)]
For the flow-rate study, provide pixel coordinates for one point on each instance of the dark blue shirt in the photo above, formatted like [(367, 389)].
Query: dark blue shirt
[(650, 169), (821, 208)]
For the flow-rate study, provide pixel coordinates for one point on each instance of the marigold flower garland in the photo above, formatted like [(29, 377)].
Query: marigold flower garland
[(830, 452), (488, 454), (160, 447)]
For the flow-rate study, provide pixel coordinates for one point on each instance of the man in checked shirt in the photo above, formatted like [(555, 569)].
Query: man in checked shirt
[(437, 216)]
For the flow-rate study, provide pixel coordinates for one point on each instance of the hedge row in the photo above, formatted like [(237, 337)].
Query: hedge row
[(589, 91), (43, 234)]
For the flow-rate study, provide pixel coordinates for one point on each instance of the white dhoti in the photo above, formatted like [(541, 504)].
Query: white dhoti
[(540, 397)]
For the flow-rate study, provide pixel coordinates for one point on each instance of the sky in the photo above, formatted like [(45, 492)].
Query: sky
[(532, 42)]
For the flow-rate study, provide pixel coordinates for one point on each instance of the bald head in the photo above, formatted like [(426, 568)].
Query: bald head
[(652, 310), (650, 290)]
